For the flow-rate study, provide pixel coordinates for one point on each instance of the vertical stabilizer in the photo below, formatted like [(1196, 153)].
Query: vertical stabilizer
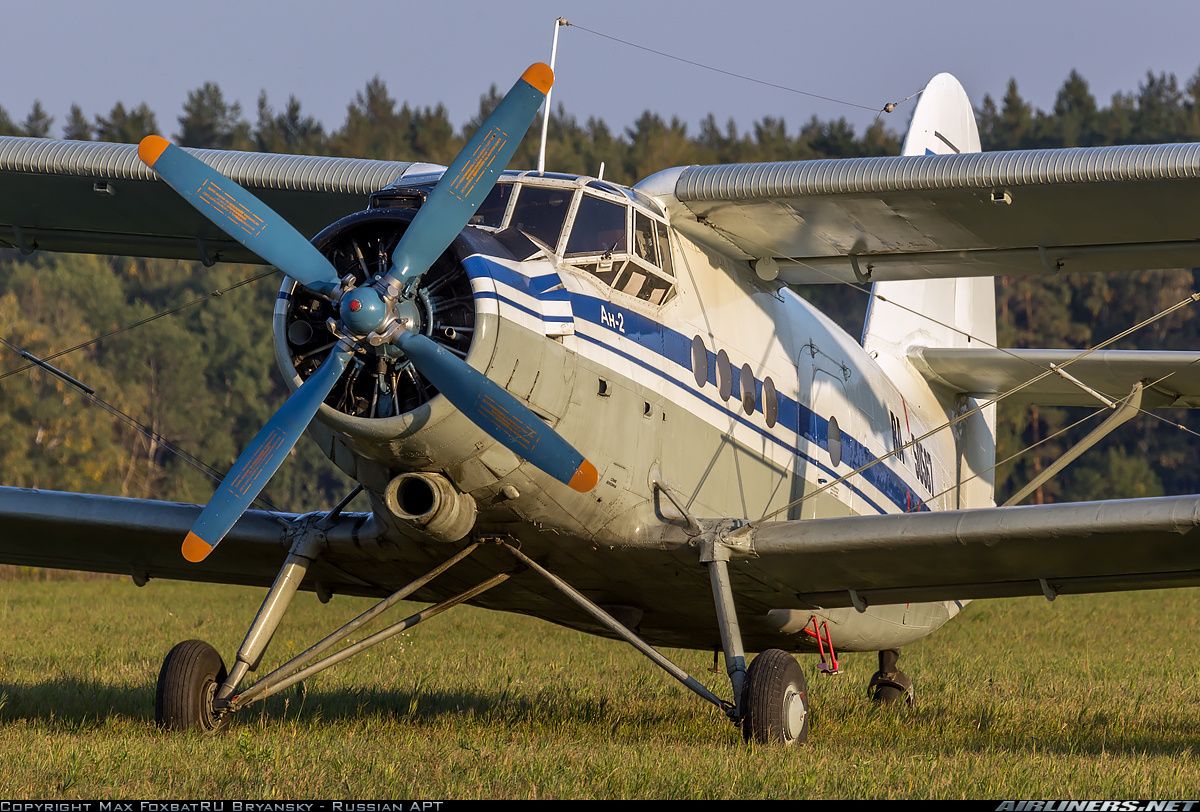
[(943, 123)]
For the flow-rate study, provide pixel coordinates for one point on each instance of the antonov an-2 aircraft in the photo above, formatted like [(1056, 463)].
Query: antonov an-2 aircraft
[(605, 406)]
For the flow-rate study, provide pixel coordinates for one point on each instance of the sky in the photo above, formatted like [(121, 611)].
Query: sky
[(867, 52)]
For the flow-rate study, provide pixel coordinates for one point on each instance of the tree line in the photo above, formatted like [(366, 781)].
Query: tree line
[(204, 380)]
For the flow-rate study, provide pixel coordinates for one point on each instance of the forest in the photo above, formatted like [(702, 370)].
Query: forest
[(188, 390)]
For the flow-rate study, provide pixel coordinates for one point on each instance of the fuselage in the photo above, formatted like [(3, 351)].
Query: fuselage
[(685, 379)]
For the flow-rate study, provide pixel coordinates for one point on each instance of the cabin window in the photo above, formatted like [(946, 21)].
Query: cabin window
[(747, 386), (491, 211), (833, 440), (599, 229), (606, 270), (644, 284), (540, 212), (770, 402), (699, 361), (724, 375)]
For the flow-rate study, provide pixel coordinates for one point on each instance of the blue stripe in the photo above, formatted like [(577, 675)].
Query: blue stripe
[(734, 415), (538, 287), (675, 347), (487, 294)]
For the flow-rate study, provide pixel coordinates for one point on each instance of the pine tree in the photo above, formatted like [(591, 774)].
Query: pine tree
[(289, 131), (126, 127), (38, 123), (6, 124), (1073, 123), (77, 128), (209, 122)]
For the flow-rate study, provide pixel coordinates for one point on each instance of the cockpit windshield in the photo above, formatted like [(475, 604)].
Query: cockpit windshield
[(599, 228), (596, 229), (540, 213), (493, 208)]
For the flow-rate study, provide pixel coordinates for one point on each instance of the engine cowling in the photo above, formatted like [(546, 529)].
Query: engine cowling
[(381, 395)]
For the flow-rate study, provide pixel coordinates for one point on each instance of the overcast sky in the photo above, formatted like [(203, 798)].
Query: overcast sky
[(868, 52)]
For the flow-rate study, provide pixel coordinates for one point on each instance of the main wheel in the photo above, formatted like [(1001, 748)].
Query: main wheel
[(775, 700), (187, 685)]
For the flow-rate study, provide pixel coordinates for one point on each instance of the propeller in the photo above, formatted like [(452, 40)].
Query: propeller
[(240, 214), (366, 314)]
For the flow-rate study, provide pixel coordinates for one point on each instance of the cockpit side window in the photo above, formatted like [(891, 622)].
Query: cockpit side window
[(600, 243), (491, 211), (664, 249), (540, 212), (599, 228), (643, 238)]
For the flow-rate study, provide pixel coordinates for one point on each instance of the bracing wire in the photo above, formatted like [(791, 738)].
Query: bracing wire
[(124, 417), (1195, 297), (884, 108), (168, 312)]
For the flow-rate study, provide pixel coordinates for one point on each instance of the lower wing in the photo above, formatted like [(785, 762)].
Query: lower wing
[(987, 553), (140, 538)]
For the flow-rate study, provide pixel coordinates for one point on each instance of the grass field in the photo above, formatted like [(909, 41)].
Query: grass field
[(1086, 697)]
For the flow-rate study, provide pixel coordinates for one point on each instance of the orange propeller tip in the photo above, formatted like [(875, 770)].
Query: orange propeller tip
[(195, 549), (151, 147), (540, 75), (585, 477)]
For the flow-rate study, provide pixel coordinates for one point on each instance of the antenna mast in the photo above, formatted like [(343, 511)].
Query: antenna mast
[(558, 23)]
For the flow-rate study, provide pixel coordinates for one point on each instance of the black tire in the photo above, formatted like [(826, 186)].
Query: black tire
[(891, 688), (187, 684), (775, 700)]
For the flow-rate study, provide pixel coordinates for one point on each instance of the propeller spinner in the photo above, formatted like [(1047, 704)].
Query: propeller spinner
[(373, 314)]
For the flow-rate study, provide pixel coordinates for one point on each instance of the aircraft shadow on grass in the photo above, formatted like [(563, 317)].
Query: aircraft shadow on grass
[(83, 704)]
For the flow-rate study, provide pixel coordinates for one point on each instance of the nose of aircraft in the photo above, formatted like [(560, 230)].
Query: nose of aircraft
[(363, 310)]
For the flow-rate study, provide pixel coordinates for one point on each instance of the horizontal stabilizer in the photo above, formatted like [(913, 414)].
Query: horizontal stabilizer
[(1171, 378)]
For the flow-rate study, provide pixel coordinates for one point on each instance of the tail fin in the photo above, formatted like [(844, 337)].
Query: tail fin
[(942, 123)]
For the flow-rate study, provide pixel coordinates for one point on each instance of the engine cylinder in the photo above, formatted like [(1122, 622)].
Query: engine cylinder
[(431, 502)]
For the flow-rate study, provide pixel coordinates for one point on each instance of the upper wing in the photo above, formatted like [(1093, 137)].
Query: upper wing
[(94, 197), (974, 214), (140, 538), (988, 553), (1172, 378)]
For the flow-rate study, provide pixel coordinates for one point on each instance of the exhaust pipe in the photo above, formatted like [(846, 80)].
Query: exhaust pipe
[(432, 503)]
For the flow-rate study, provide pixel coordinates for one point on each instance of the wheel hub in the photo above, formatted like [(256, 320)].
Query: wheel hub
[(794, 712)]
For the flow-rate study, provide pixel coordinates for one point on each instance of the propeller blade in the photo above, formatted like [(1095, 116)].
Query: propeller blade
[(471, 177), (262, 458), (239, 214), (498, 413)]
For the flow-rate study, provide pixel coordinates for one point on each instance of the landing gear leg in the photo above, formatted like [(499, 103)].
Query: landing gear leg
[(890, 685), (772, 695), (193, 686)]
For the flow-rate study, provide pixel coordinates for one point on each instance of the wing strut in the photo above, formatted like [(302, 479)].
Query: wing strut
[(1123, 412)]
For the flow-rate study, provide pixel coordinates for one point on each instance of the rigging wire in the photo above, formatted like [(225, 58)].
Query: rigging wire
[(886, 108), (1046, 439), (1044, 371), (1195, 297), (125, 417), (168, 312)]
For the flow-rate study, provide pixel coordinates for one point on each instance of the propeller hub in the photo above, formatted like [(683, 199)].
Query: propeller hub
[(363, 310)]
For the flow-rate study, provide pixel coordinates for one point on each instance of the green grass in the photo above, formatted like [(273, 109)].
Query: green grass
[(1087, 697)]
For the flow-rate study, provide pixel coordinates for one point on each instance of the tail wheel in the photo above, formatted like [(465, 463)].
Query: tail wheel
[(775, 700), (187, 685), (891, 688)]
